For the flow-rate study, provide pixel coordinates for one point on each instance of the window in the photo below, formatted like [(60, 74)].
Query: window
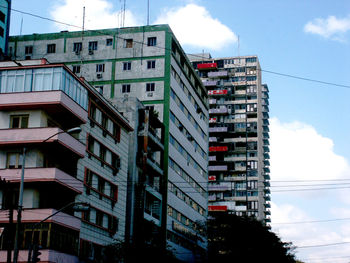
[(28, 50), (14, 160), (51, 48), (76, 69), (77, 47), (2, 17), (127, 65), (126, 88), (128, 43), (150, 87), (1, 32), (92, 45), (100, 68), (152, 41), (109, 41), (19, 121), (151, 64)]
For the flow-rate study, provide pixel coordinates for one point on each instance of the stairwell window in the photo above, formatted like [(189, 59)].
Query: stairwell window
[(151, 41), (51, 48)]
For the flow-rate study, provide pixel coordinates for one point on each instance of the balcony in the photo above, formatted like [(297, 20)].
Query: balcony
[(155, 142), (155, 166), (218, 149), (32, 136), (220, 188), (43, 175), (212, 158), (217, 168), (217, 208), (207, 66), (56, 103), (212, 101), (218, 129), (213, 139), (217, 92), (221, 110), (217, 74), (212, 120), (210, 83), (36, 215), (212, 178)]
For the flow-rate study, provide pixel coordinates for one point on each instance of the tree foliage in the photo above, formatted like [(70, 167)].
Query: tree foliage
[(244, 239)]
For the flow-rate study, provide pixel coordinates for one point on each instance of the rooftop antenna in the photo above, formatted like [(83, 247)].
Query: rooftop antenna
[(83, 19), (147, 12), (20, 30), (123, 14), (238, 45)]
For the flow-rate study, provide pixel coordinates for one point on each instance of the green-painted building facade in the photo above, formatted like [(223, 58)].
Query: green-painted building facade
[(148, 63)]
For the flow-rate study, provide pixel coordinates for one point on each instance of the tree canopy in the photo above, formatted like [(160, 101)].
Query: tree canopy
[(244, 239)]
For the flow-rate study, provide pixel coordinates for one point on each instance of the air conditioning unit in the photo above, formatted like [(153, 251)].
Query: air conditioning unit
[(126, 95), (149, 94), (99, 76), (91, 52), (77, 52)]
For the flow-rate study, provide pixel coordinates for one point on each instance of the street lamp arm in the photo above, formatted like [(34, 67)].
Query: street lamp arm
[(76, 129), (43, 220)]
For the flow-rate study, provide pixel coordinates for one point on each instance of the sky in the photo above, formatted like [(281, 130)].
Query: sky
[(296, 41)]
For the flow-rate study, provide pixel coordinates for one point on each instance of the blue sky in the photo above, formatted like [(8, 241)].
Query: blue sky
[(309, 121)]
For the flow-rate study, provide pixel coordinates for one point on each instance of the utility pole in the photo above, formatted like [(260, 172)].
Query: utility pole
[(19, 209)]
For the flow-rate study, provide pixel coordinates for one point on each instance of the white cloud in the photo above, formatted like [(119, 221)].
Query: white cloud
[(331, 27), (99, 14), (299, 152), (306, 234), (193, 25)]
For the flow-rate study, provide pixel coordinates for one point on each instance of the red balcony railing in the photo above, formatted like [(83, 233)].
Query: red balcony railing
[(207, 66)]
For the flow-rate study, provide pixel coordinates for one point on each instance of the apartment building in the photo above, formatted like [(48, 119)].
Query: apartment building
[(39, 102), (238, 135), (5, 12), (148, 63)]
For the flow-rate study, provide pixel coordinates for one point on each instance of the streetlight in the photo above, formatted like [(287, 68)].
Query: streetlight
[(20, 199), (77, 206)]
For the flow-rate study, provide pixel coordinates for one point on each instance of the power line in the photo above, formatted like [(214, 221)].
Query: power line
[(194, 55), (323, 245), (312, 221)]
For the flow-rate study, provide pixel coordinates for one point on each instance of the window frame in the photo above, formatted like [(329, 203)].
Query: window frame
[(126, 88), (151, 64), (20, 122), (150, 87), (51, 48), (152, 41), (93, 45)]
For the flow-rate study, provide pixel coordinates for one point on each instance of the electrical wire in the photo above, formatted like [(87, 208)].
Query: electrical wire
[(194, 55)]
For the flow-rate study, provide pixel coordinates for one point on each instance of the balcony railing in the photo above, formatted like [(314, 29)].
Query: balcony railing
[(218, 92), (207, 66), (209, 83), (217, 74), (43, 175), (217, 168), (218, 129), (39, 135)]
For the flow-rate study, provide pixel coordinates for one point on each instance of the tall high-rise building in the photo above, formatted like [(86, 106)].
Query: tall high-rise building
[(148, 63), (238, 135), (5, 12)]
